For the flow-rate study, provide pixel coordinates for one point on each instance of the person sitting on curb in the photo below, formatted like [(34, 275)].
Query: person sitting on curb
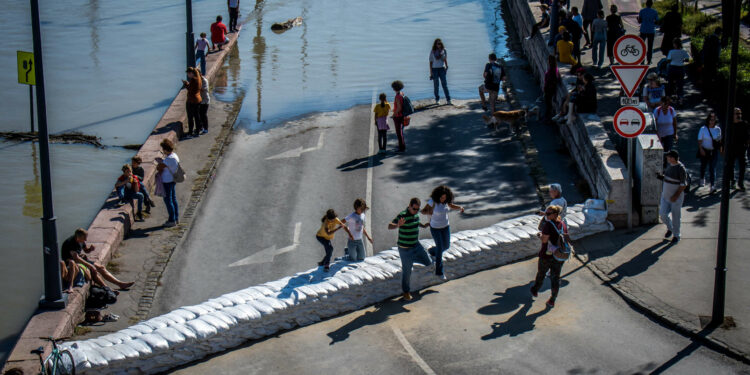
[(544, 22), (218, 34), (131, 189), (561, 117), (672, 195), (409, 248), (565, 50), (72, 252), (135, 164)]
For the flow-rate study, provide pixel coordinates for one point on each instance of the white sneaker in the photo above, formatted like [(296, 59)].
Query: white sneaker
[(442, 277)]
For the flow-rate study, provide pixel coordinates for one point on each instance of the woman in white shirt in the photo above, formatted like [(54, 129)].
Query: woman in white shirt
[(168, 168), (677, 58), (440, 203), (709, 147), (438, 69)]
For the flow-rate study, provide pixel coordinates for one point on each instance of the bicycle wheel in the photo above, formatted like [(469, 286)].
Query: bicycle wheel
[(63, 364)]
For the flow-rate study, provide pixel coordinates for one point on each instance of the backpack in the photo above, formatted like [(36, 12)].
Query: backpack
[(179, 176), (100, 297), (497, 73), (407, 108), (561, 249)]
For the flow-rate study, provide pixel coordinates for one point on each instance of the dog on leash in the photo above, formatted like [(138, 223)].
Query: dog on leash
[(509, 117)]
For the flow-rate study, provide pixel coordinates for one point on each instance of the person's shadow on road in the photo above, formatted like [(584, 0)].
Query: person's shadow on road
[(363, 162), (383, 312), (512, 299), (641, 262)]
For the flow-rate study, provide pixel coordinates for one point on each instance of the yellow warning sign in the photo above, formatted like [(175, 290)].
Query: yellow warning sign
[(26, 70)]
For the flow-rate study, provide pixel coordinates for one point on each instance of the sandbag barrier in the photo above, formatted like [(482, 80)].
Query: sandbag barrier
[(193, 332)]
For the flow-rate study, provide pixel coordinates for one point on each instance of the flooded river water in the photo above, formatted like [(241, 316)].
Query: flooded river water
[(112, 68)]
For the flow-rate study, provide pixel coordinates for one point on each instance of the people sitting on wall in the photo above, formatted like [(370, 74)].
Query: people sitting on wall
[(544, 22), (130, 185), (571, 97), (73, 253), (138, 171), (565, 50), (585, 101)]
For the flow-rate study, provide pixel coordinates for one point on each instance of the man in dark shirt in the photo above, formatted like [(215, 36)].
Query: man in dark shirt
[(73, 253), (551, 230), (135, 163), (491, 85), (738, 146), (409, 248)]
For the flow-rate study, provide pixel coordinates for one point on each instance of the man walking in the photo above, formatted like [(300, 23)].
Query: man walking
[(672, 195), (409, 248), (738, 146), (494, 74), (647, 17), (234, 12)]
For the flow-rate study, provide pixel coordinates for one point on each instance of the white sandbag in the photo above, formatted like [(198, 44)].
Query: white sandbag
[(142, 328), (262, 308), (172, 335), (218, 323), (198, 310), (224, 301), (156, 342), (183, 313), (201, 328), (154, 323)]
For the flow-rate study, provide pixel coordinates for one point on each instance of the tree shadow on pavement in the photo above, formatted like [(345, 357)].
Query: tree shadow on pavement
[(512, 299), (485, 168), (641, 262), (383, 311)]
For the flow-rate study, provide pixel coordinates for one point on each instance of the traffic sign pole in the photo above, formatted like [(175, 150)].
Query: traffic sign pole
[(630, 183), (31, 106)]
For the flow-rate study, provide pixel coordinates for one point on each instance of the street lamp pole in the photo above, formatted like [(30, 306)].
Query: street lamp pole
[(720, 282), (189, 37), (553, 22), (53, 297)]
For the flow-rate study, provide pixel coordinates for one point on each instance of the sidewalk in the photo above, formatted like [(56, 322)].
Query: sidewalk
[(675, 283)]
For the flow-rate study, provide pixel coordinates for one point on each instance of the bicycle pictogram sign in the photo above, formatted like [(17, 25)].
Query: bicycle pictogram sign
[(629, 50)]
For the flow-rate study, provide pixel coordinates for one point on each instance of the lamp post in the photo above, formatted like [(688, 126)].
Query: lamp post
[(189, 37), (553, 22), (53, 297), (720, 282)]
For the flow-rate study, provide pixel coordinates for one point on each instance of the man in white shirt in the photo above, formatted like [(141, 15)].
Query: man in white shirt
[(355, 222)]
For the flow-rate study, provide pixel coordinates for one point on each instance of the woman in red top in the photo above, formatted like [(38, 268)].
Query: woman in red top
[(398, 115), (193, 100)]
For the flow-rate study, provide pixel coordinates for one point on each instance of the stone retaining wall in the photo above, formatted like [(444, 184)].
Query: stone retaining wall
[(586, 138), (106, 232), (193, 332)]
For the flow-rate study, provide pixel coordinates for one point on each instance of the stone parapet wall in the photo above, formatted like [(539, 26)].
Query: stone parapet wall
[(586, 138), (194, 332)]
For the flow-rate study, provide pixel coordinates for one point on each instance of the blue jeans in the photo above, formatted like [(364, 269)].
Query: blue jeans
[(128, 197), (328, 247), (442, 237), (598, 48), (439, 73), (356, 249), (667, 207), (201, 55), (409, 255), (170, 201)]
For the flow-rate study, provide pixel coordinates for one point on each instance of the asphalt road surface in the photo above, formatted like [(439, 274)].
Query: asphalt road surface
[(486, 323), (259, 218)]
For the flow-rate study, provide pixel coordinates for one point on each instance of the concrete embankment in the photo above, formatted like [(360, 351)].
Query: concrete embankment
[(107, 230), (194, 332), (585, 136)]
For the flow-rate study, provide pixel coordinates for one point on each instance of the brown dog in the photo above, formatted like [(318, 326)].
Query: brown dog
[(508, 117)]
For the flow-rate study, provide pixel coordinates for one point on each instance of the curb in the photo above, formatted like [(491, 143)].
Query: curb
[(660, 314), (106, 232)]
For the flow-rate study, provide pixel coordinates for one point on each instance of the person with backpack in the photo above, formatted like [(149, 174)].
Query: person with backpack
[(494, 75), (330, 225), (402, 108), (666, 124), (554, 252), (438, 69), (170, 172)]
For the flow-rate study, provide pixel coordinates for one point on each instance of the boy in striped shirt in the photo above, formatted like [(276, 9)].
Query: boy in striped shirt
[(409, 248)]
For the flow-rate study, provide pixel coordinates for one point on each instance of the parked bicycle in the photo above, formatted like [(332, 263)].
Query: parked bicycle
[(59, 362)]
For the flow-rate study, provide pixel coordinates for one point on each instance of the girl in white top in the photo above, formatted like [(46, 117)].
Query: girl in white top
[(355, 223), (168, 167), (438, 206), (709, 147)]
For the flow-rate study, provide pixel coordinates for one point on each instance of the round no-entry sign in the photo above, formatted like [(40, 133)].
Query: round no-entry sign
[(629, 122), (629, 50)]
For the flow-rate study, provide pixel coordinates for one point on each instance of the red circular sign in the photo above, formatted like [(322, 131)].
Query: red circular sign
[(629, 50), (629, 122)]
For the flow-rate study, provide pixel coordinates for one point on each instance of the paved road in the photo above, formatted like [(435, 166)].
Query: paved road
[(486, 323), (273, 187)]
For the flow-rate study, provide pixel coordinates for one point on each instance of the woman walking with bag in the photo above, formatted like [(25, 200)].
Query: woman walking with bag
[(438, 69), (440, 203), (709, 147), (553, 254), (171, 173)]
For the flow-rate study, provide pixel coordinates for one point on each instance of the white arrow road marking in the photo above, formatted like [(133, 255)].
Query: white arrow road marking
[(268, 254), (297, 152)]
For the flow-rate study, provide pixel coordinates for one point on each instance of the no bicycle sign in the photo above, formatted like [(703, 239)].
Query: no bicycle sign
[(629, 50)]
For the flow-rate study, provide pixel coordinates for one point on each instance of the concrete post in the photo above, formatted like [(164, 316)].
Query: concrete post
[(648, 162)]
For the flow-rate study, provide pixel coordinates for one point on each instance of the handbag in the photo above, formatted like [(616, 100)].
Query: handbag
[(179, 176), (709, 153), (560, 251)]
